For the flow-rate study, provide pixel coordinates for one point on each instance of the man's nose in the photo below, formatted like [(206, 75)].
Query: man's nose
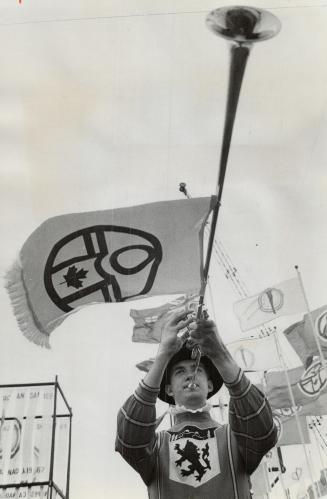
[(189, 373)]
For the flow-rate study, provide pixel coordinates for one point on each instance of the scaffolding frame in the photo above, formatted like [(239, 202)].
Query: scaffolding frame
[(51, 485)]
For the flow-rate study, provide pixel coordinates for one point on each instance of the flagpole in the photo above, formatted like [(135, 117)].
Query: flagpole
[(315, 334), (295, 411), (282, 470)]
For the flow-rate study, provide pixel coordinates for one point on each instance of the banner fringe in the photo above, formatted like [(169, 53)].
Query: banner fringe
[(14, 283)]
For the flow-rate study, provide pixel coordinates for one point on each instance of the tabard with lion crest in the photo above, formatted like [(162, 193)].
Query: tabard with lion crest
[(197, 458)]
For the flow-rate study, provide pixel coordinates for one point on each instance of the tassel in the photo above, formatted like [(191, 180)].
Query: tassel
[(20, 304)]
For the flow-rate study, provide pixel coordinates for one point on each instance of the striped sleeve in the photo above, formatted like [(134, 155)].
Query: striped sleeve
[(251, 421), (136, 436)]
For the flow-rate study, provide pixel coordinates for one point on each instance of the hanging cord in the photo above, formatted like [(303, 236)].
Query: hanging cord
[(232, 270), (142, 14), (224, 261), (314, 426)]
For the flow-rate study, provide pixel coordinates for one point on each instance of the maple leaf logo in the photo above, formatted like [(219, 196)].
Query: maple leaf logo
[(74, 277)]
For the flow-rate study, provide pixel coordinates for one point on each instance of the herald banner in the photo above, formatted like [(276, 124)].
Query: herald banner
[(148, 322), (106, 256)]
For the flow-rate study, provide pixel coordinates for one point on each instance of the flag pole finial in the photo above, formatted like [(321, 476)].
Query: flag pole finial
[(182, 188)]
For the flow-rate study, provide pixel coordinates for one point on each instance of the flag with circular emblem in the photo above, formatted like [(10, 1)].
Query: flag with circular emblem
[(79, 259), (255, 354), (285, 298), (302, 337)]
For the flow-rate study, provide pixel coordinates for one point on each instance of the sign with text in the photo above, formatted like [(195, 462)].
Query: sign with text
[(26, 427), (25, 433)]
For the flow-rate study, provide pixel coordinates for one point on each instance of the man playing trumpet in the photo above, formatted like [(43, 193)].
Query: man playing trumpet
[(197, 457)]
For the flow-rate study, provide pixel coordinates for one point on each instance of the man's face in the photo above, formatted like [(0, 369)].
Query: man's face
[(180, 379)]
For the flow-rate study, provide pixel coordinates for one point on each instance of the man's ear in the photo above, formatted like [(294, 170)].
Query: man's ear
[(210, 386), (168, 390)]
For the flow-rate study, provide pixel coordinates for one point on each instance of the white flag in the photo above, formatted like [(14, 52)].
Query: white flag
[(255, 354), (285, 298)]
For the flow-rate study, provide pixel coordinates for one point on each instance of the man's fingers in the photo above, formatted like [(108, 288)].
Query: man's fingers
[(185, 322), (176, 315), (184, 336), (200, 333), (181, 317), (204, 323), (190, 344), (196, 336), (203, 326)]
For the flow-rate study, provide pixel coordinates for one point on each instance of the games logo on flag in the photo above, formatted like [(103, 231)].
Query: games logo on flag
[(255, 354), (285, 298), (314, 380), (309, 388), (80, 259), (193, 455), (302, 337), (287, 429), (321, 326)]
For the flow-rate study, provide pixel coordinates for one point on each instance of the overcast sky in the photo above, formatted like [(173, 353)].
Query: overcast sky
[(108, 104)]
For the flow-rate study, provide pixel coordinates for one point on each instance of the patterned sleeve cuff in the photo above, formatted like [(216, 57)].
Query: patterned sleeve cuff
[(146, 394), (240, 386)]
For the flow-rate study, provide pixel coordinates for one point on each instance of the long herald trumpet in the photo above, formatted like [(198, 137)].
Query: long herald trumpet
[(242, 26)]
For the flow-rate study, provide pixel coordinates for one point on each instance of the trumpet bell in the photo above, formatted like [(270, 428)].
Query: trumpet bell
[(243, 25)]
